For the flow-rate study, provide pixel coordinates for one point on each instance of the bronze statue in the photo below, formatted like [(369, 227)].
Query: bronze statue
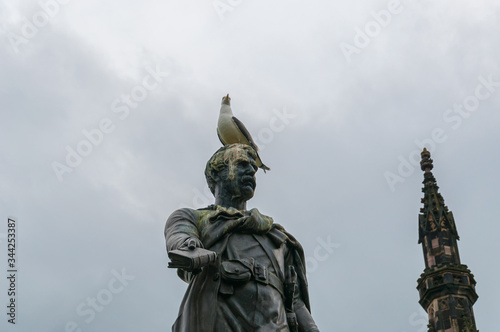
[(245, 272)]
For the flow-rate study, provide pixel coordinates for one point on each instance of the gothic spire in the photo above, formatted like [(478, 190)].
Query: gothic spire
[(447, 287), (435, 213)]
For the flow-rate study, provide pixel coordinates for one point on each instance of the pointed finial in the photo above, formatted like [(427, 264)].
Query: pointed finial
[(426, 162)]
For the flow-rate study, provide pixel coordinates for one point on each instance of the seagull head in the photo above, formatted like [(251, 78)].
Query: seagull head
[(226, 100)]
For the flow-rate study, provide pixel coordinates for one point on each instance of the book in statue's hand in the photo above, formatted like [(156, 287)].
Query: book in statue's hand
[(191, 259)]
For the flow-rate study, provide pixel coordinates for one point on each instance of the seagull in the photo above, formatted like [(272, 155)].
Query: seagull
[(231, 130)]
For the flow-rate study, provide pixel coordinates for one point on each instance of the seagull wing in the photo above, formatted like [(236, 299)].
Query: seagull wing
[(245, 133), (220, 138)]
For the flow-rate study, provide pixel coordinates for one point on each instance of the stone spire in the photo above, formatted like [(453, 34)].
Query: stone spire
[(447, 287)]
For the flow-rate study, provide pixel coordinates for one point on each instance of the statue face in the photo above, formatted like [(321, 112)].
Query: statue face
[(238, 178)]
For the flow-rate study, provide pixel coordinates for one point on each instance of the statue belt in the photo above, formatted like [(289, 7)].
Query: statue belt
[(239, 271)]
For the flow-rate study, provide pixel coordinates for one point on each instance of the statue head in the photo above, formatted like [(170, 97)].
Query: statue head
[(231, 171)]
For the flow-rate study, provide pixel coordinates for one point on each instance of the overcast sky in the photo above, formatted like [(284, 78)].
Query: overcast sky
[(109, 112)]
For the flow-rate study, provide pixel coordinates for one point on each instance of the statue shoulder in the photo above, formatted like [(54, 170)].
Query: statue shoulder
[(183, 212), (187, 214), (182, 215)]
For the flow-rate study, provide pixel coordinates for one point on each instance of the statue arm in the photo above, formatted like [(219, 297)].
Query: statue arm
[(304, 318), (180, 233), (181, 229)]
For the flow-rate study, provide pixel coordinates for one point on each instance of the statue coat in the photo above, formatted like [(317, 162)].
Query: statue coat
[(234, 234)]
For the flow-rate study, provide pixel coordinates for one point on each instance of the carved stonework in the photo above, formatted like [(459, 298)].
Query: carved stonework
[(438, 280), (460, 303), (443, 304), (443, 223), (431, 311), (432, 225), (468, 325)]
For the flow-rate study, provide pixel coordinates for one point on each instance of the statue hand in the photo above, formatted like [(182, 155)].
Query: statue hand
[(191, 256), (255, 223), (190, 244), (250, 219)]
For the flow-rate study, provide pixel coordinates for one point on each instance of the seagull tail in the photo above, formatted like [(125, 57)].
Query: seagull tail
[(264, 168), (260, 164)]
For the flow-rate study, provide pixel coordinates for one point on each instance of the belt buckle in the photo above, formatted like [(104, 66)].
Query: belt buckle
[(261, 274)]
